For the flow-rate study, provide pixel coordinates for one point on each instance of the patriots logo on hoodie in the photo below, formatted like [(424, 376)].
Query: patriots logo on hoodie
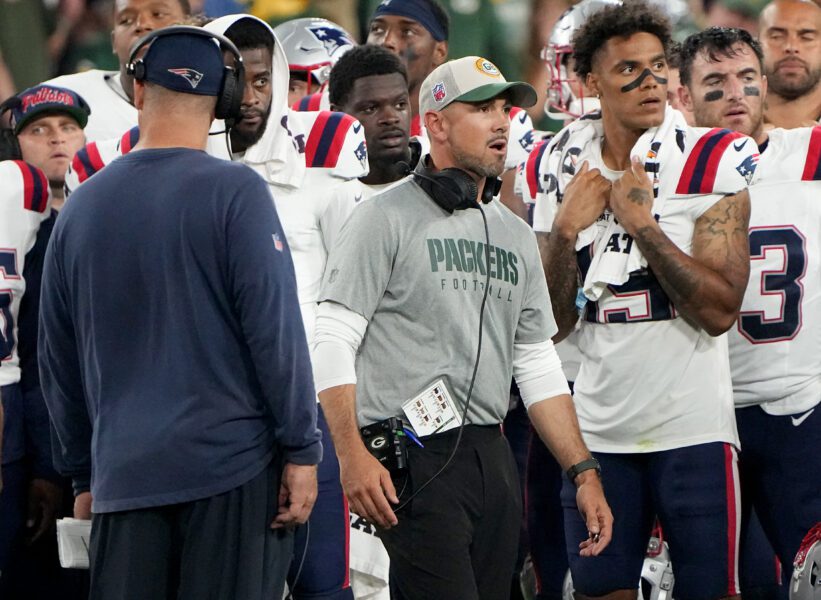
[(190, 75)]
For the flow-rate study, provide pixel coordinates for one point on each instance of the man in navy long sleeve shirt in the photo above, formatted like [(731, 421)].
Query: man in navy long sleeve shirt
[(173, 356)]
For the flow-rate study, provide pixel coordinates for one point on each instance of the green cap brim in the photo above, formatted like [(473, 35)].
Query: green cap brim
[(520, 94)]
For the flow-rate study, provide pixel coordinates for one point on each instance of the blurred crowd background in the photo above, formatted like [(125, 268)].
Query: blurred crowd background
[(40, 39)]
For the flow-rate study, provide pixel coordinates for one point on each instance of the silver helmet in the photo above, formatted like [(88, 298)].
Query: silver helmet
[(564, 92), (656, 582), (806, 575), (313, 46)]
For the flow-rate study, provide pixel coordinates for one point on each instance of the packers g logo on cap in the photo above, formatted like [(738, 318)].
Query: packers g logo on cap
[(486, 67)]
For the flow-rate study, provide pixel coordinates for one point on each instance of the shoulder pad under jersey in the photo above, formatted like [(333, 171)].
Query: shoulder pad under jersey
[(532, 172), (309, 103), (95, 155), (521, 138), (812, 162), (23, 185), (335, 141), (718, 161)]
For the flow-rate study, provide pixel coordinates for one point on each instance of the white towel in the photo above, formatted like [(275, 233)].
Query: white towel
[(276, 157), (614, 268)]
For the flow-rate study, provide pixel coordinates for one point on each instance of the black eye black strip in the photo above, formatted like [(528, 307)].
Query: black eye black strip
[(637, 82)]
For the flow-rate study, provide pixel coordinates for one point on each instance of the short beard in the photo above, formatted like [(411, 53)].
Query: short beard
[(246, 139), (473, 165), (790, 90)]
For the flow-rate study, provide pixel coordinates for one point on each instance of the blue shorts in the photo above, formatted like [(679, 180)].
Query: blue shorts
[(780, 466), (545, 519), (693, 491), (325, 540)]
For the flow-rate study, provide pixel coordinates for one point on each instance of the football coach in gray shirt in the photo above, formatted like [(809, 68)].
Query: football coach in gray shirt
[(427, 310)]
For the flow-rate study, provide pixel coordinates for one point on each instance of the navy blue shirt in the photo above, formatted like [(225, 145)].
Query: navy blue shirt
[(172, 352)]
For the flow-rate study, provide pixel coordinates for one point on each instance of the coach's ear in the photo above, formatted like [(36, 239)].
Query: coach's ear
[(139, 94)]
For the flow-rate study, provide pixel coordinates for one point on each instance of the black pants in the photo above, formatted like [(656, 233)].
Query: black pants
[(217, 548), (458, 538)]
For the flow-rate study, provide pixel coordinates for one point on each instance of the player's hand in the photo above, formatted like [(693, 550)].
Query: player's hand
[(631, 198), (368, 487), (44, 499), (297, 494), (82, 506), (584, 200), (595, 512)]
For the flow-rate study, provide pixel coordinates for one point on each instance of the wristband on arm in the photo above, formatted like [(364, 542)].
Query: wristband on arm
[(585, 465)]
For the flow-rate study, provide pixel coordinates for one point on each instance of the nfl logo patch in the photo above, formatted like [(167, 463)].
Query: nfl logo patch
[(278, 245), (439, 92)]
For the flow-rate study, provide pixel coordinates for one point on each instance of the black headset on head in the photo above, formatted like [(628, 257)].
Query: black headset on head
[(229, 100), (456, 189)]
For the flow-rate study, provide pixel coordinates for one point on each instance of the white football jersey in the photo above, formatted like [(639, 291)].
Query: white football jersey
[(111, 111), (775, 347), (526, 177), (649, 380), (24, 204), (312, 214)]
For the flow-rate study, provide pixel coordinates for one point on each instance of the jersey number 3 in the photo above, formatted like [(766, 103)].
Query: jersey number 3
[(772, 305), (8, 270)]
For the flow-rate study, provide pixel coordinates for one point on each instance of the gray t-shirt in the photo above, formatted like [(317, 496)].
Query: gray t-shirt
[(417, 275)]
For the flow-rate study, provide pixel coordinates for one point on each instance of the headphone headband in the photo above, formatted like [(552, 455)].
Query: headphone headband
[(141, 43), (229, 99)]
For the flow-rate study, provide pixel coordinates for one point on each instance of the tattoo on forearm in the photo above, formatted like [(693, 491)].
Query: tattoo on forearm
[(682, 282), (639, 196), (715, 281), (561, 273)]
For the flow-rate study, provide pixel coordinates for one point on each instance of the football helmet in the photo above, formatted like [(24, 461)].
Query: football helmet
[(564, 92), (806, 575), (657, 579), (313, 46)]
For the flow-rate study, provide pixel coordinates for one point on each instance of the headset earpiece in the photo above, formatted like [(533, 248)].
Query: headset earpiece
[(229, 100), (9, 145), (493, 185), (456, 190)]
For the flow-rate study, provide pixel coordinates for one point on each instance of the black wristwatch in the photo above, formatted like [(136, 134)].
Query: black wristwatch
[(585, 465)]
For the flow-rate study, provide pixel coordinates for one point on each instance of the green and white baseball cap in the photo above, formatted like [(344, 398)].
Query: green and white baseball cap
[(470, 79)]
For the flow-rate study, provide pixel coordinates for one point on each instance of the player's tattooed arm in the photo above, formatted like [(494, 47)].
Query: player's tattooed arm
[(584, 201), (559, 262), (708, 287)]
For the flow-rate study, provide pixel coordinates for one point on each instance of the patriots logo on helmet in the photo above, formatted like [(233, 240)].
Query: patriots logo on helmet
[(190, 75), (439, 92), (526, 141), (361, 153), (332, 39), (747, 168)]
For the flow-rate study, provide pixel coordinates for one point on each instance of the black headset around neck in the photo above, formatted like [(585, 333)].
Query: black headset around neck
[(229, 100), (456, 189)]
